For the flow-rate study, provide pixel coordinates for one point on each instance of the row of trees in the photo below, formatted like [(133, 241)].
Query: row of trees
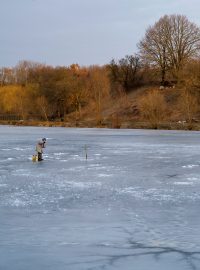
[(169, 51), (35, 89)]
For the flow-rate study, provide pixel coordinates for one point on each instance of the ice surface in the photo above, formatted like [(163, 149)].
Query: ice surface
[(133, 204)]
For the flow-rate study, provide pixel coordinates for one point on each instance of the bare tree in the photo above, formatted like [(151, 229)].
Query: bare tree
[(2, 76), (43, 106), (6, 76), (23, 69), (125, 72), (169, 43), (99, 89), (153, 48)]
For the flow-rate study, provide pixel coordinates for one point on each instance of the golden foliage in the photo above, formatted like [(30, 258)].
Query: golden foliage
[(188, 105), (153, 107)]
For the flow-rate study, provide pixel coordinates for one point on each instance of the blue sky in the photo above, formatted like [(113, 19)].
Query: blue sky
[(87, 32)]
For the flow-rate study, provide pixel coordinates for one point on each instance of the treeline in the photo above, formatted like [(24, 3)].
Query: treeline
[(32, 89), (45, 92), (168, 56)]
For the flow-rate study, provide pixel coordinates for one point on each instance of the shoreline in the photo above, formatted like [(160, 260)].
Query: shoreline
[(91, 124)]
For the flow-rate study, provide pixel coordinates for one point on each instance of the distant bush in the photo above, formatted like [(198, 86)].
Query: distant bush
[(153, 108)]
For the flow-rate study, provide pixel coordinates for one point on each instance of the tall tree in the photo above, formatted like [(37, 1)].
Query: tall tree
[(125, 71), (169, 43), (99, 88)]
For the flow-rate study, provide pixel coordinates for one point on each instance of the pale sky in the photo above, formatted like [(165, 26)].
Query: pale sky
[(87, 32)]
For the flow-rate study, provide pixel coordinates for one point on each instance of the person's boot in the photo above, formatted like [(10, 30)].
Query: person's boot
[(39, 157)]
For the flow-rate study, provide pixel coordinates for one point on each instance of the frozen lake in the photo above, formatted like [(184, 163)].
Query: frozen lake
[(133, 204)]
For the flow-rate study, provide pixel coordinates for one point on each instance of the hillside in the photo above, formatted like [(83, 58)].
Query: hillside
[(125, 112)]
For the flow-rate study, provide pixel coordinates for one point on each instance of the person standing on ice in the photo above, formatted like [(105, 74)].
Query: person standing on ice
[(39, 148)]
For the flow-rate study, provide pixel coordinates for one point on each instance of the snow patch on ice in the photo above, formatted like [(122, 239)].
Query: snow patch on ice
[(78, 168), (193, 179), (190, 166), (21, 170), (17, 203), (183, 183), (69, 244), (148, 194), (83, 185), (3, 185), (104, 175), (59, 154), (19, 149)]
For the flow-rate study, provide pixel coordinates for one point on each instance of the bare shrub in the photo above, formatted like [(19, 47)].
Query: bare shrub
[(188, 105), (153, 107), (116, 121)]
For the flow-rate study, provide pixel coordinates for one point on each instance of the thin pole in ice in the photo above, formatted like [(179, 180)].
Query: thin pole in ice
[(86, 155)]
